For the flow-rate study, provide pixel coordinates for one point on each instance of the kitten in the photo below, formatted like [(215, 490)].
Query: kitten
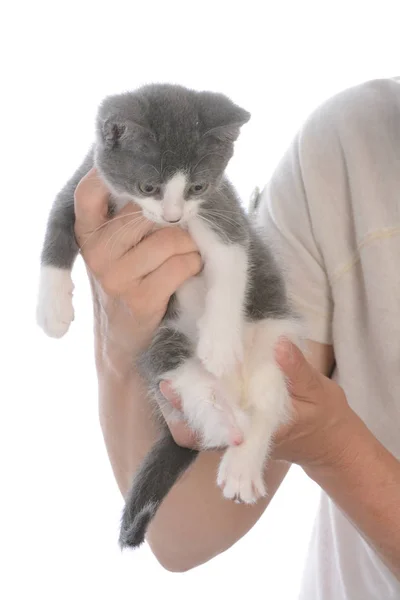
[(166, 148)]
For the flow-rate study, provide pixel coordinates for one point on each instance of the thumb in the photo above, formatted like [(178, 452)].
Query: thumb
[(302, 376), (91, 202)]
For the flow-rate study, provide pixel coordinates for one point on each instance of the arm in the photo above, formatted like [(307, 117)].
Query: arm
[(131, 290), (337, 450), (194, 523), (364, 481)]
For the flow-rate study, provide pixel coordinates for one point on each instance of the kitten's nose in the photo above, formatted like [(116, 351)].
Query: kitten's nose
[(173, 220)]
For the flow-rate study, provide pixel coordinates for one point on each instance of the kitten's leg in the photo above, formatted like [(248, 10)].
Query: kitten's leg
[(170, 356), (208, 405), (220, 345), (241, 471), (210, 408), (54, 309)]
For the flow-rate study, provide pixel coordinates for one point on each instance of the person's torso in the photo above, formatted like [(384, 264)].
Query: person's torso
[(364, 275)]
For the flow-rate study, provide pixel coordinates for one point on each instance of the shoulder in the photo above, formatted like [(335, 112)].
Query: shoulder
[(351, 115), (340, 140)]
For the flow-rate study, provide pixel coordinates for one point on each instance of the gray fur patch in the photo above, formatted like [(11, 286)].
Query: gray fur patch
[(161, 468), (60, 248), (224, 214), (266, 295), (167, 351)]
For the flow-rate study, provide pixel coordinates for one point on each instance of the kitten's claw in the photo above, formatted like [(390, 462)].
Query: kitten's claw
[(55, 311), (239, 479)]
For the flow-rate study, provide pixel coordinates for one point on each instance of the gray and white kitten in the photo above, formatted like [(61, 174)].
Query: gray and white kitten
[(166, 148)]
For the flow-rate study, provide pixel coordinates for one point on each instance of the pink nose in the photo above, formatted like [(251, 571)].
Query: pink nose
[(173, 220)]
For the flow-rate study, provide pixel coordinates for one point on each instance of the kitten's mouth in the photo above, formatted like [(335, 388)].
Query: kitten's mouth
[(161, 220), (172, 221)]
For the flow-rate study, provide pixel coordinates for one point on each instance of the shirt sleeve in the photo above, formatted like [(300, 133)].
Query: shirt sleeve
[(286, 220)]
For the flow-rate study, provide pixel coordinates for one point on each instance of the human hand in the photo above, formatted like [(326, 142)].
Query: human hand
[(319, 429), (135, 266), (317, 432)]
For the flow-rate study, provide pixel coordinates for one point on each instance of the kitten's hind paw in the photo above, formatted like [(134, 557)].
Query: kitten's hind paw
[(239, 479), (55, 311)]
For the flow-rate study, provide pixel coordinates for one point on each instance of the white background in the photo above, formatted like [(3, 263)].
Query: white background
[(60, 506)]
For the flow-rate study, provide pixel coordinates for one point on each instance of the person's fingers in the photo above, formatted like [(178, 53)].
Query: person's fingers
[(180, 431), (155, 250), (91, 202), (123, 232), (169, 393), (170, 275), (303, 378), (183, 435)]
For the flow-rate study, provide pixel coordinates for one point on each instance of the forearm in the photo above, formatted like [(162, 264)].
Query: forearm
[(195, 522), (364, 482)]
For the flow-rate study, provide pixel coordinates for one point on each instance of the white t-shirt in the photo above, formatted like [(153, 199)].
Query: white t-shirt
[(333, 207)]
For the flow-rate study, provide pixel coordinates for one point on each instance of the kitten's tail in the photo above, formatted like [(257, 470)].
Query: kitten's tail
[(161, 468)]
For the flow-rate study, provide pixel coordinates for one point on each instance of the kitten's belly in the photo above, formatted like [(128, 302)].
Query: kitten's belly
[(191, 302)]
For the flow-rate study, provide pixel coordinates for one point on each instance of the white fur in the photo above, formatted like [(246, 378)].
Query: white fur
[(206, 405), (191, 297), (233, 390), (55, 311), (221, 401), (172, 207), (173, 201), (266, 398), (220, 345), (249, 404)]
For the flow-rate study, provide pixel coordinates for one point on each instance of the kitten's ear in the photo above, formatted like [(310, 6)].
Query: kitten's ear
[(226, 133), (112, 131), (116, 132), (121, 122), (222, 118)]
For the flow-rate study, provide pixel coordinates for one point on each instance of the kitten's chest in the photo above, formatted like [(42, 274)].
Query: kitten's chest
[(190, 304)]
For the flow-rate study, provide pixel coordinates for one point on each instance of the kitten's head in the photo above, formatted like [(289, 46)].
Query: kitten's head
[(166, 147)]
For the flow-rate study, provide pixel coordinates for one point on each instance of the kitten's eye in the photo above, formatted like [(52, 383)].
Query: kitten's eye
[(148, 189), (198, 188)]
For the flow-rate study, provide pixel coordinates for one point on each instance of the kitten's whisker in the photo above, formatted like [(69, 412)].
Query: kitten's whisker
[(203, 157), (206, 171), (214, 211), (105, 225), (222, 216), (129, 227), (152, 167), (220, 192), (215, 227), (124, 230), (162, 158), (133, 222)]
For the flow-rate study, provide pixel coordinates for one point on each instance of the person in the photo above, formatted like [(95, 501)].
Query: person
[(333, 206)]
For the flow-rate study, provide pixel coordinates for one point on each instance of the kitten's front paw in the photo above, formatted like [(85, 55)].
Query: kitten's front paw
[(55, 311), (219, 351), (239, 478)]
